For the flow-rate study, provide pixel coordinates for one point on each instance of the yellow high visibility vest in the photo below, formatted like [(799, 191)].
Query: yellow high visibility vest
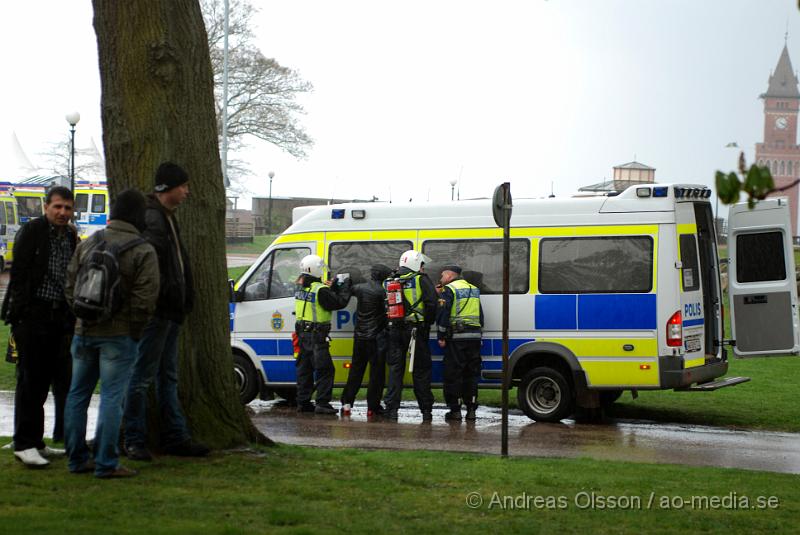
[(307, 307)]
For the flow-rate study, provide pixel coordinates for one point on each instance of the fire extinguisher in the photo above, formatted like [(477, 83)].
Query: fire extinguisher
[(394, 298)]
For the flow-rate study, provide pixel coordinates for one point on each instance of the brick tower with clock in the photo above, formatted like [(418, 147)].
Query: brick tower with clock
[(779, 150)]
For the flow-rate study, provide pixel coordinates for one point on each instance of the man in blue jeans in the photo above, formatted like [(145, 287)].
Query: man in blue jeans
[(105, 349), (158, 349)]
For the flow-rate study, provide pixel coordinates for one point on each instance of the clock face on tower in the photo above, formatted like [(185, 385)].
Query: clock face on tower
[(780, 123)]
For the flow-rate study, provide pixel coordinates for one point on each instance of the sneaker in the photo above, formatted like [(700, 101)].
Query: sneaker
[(454, 415), (427, 416), (85, 468), (118, 472), (135, 452), (471, 412), (346, 409), (31, 458), (9, 446), (390, 414), (188, 448), (305, 407), (49, 452), (324, 408)]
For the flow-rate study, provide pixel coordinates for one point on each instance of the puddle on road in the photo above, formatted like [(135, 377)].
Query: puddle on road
[(616, 440)]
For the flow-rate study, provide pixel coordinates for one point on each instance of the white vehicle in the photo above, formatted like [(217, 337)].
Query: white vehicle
[(607, 293)]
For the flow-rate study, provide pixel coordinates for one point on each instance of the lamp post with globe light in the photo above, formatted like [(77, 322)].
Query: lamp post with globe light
[(453, 189), (72, 119)]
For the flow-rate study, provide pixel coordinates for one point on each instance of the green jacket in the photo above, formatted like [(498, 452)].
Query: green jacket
[(138, 279)]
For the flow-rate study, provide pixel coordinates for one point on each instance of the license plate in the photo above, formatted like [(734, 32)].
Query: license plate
[(693, 345)]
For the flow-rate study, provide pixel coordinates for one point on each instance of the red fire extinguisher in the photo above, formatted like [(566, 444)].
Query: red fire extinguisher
[(394, 298)]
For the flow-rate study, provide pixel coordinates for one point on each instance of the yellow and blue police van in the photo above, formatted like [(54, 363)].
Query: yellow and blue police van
[(91, 207), (18, 205), (607, 294)]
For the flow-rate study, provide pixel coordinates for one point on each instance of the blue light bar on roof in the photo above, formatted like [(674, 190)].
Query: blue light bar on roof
[(337, 213), (661, 191)]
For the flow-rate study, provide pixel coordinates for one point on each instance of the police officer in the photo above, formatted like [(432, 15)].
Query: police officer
[(313, 303), (419, 298), (459, 321)]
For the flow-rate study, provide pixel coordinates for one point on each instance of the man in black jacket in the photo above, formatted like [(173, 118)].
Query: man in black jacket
[(370, 342), (158, 349), (41, 322)]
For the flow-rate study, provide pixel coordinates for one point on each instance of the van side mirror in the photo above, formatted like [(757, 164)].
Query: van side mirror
[(233, 295)]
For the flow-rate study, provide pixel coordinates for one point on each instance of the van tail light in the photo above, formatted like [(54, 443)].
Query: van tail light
[(675, 330)]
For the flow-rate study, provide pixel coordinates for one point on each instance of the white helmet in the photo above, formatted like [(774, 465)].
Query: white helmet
[(413, 260), (312, 265)]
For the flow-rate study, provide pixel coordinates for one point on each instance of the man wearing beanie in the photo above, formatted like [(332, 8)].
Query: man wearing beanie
[(106, 349), (158, 349)]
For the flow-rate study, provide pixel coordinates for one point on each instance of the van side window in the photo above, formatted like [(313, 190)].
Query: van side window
[(3, 213), (759, 257), (356, 258), (689, 271), (596, 265), (482, 262), (81, 202), (11, 214), (98, 203), (275, 277), (29, 207)]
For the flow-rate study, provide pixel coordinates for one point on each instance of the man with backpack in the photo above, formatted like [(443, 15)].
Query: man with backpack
[(410, 332), (158, 349), (112, 286), (41, 322)]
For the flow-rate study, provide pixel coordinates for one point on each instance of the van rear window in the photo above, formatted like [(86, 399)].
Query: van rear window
[(759, 257), (689, 271), (596, 265)]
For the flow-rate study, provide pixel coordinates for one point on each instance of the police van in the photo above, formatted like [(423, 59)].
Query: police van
[(607, 294)]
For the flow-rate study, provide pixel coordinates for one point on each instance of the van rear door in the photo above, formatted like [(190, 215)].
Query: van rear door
[(762, 285)]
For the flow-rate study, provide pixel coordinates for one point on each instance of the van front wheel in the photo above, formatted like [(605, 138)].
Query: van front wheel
[(247, 379), (545, 395)]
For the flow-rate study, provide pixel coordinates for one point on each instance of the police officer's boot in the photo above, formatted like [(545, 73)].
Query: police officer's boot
[(454, 415), (471, 407)]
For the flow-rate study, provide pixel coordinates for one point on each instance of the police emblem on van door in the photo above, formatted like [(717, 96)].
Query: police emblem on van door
[(277, 321)]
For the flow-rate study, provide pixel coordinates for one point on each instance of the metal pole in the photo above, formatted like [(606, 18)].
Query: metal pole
[(269, 212), (506, 260), (225, 98), (452, 192), (72, 158)]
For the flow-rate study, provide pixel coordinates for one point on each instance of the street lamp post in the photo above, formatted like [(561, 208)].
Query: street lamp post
[(271, 175), (453, 190), (72, 119)]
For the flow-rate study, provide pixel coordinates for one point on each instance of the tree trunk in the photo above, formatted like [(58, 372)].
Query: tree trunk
[(157, 105)]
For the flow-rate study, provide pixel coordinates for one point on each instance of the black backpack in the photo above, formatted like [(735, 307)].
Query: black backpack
[(96, 296)]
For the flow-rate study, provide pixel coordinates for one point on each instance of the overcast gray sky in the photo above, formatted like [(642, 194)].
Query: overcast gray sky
[(410, 95)]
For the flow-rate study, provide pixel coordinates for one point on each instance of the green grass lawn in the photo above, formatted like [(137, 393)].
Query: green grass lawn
[(260, 243), (297, 490)]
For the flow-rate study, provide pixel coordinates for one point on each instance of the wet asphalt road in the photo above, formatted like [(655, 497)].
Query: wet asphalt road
[(635, 441), (618, 440)]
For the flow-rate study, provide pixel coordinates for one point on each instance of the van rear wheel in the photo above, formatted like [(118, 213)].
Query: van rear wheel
[(545, 395), (247, 379)]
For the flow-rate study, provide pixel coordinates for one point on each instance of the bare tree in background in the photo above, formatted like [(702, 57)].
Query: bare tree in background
[(89, 162), (262, 94)]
